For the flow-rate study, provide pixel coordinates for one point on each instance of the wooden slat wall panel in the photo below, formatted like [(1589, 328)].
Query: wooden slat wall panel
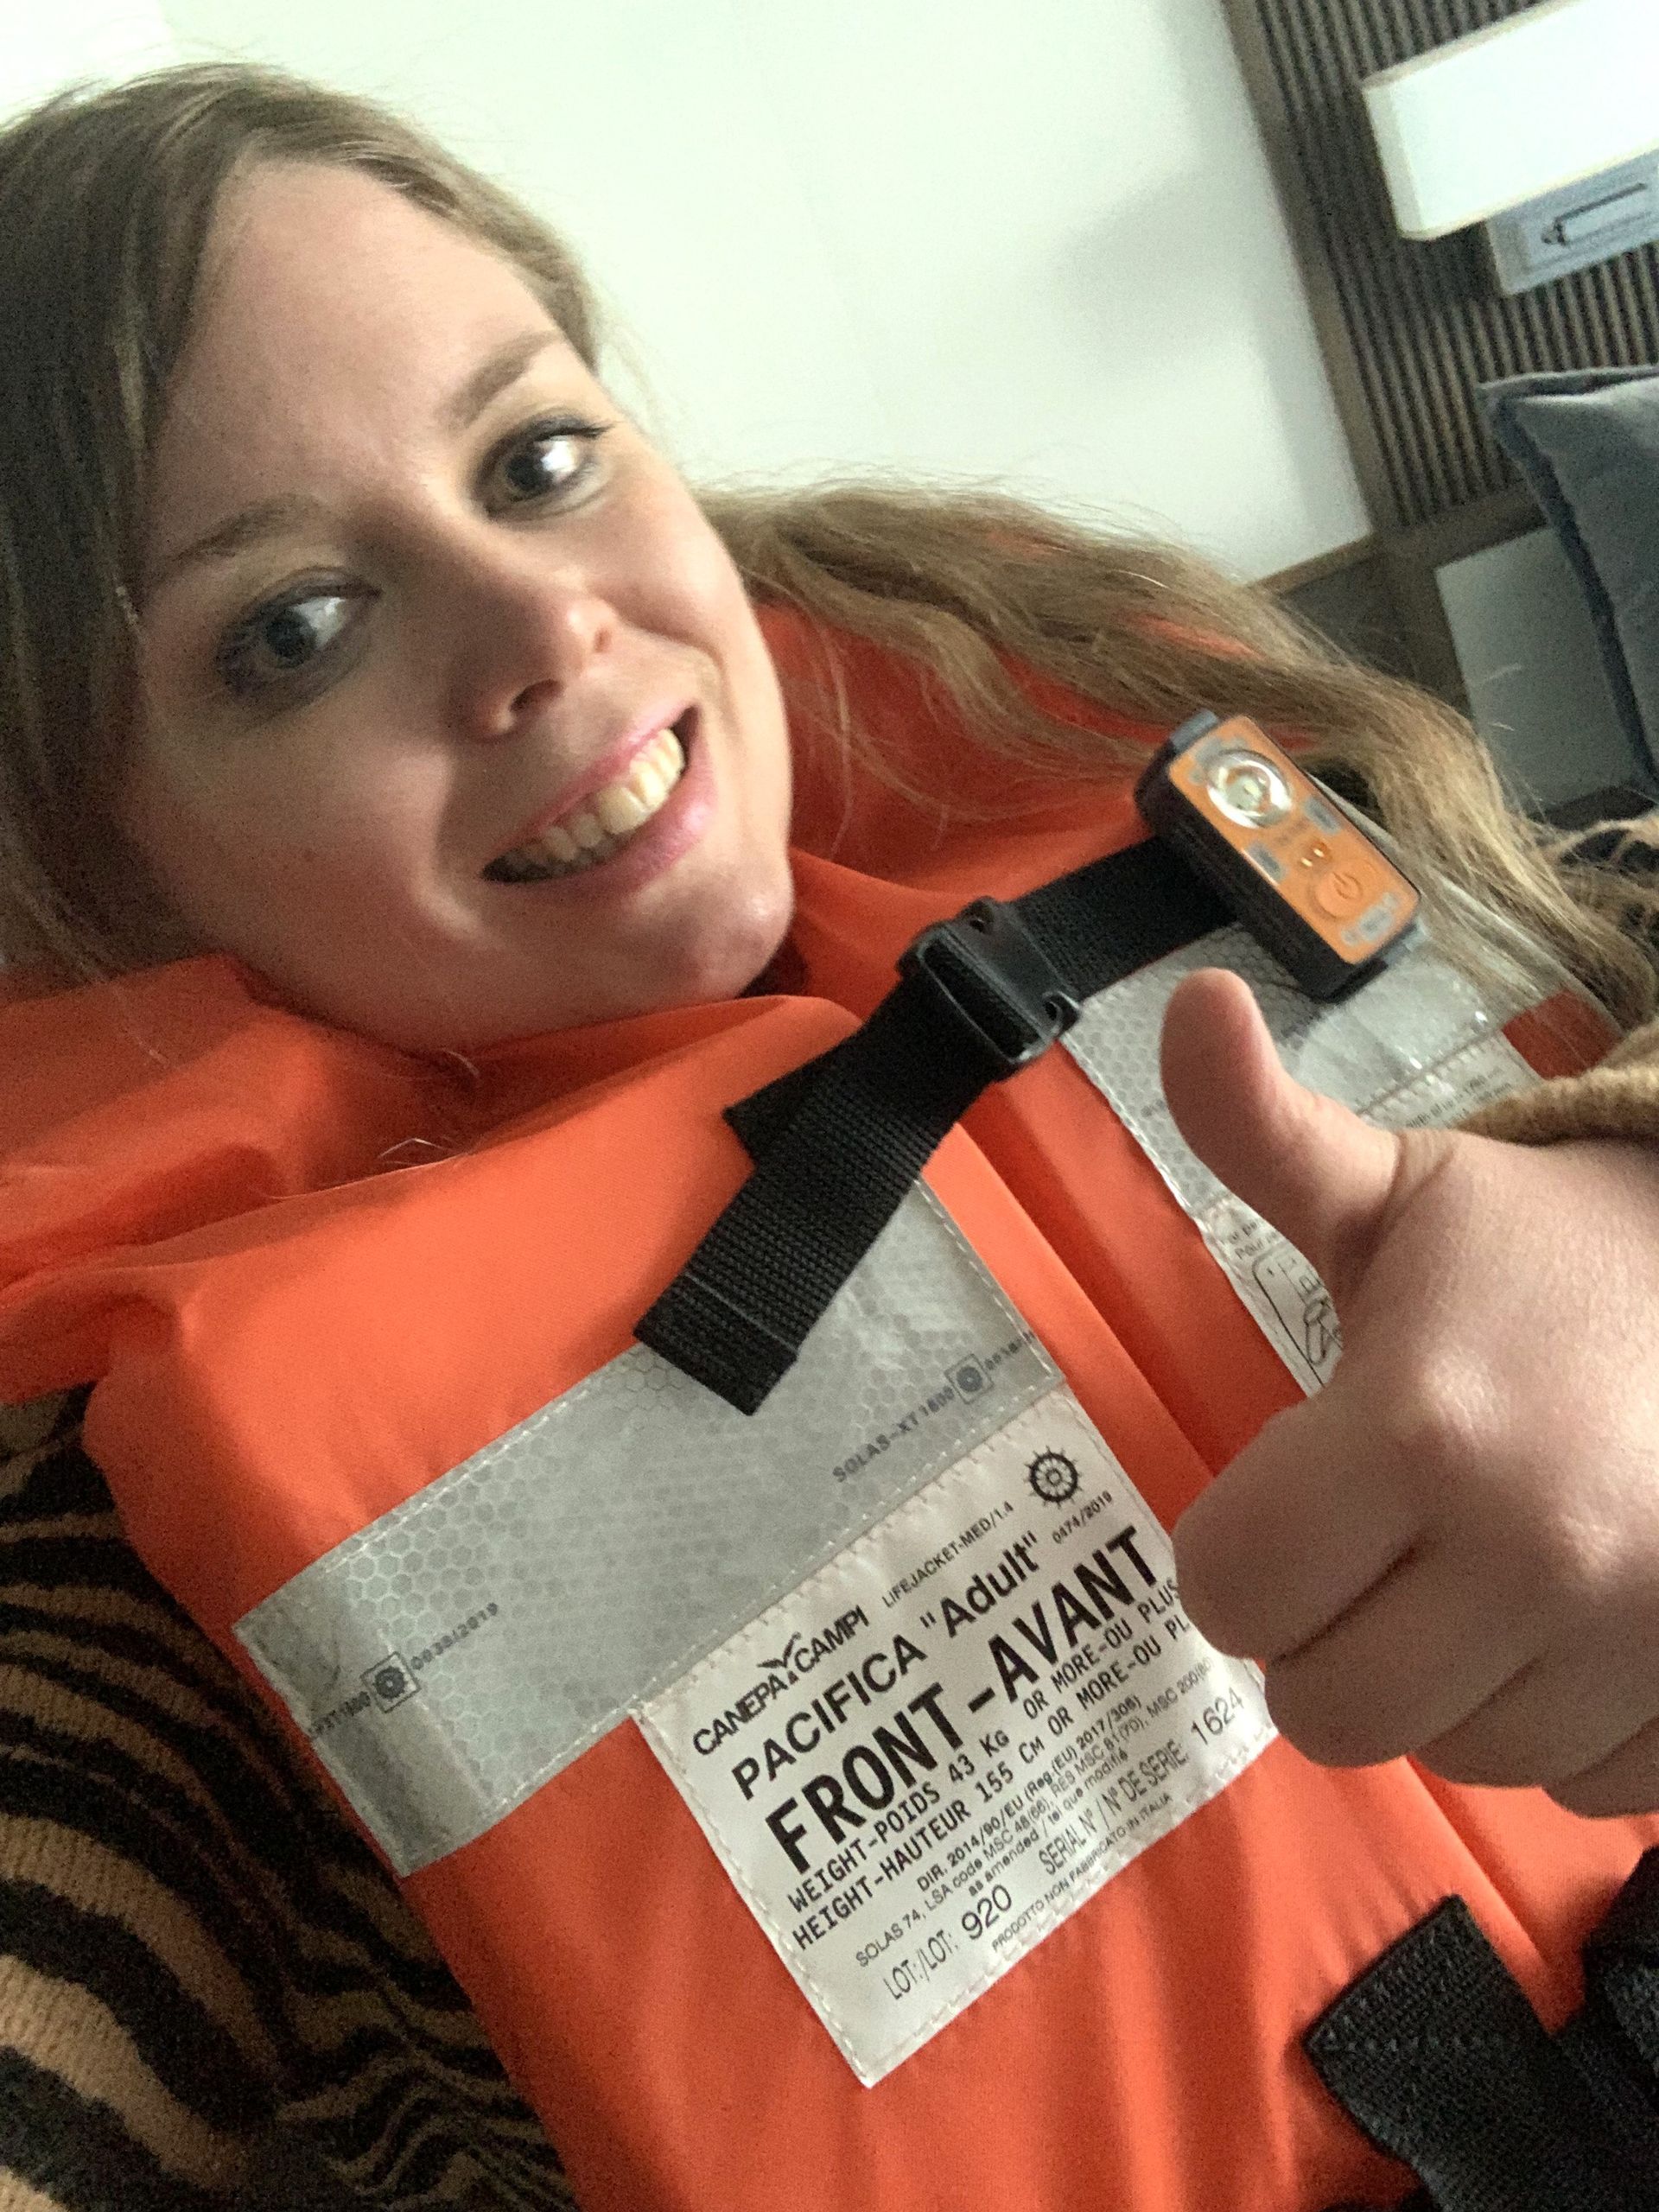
[(1424, 321)]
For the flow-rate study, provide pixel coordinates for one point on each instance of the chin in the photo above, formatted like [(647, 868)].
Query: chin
[(722, 963)]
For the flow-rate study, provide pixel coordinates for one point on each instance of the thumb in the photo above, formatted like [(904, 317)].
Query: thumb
[(1318, 1173)]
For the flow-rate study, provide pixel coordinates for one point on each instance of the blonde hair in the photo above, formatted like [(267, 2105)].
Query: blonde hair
[(107, 199)]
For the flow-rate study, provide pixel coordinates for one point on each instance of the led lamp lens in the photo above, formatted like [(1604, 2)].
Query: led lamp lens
[(1249, 790)]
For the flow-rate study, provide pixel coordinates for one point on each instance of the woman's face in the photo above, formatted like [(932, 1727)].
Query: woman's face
[(407, 613)]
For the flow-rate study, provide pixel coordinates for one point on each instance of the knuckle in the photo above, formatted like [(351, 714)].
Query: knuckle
[(1624, 1783), (1328, 1729), (1202, 1580), (1229, 1550), (1592, 1800), (1490, 1487), (1470, 1758), (1445, 1420), (1565, 1556)]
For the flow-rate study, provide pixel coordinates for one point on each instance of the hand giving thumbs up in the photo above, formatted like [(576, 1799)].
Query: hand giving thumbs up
[(1454, 1549)]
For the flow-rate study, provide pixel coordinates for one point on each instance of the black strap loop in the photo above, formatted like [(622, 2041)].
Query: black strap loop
[(1621, 1962), (993, 975), (837, 1143), (1436, 2054)]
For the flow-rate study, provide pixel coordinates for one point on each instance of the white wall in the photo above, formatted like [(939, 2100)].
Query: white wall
[(44, 43), (1026, 242)]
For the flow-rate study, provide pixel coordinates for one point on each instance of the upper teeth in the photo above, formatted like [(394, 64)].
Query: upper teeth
[(605, 820)]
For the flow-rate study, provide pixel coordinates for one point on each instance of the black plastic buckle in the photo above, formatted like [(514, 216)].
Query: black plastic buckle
[(988, 969)]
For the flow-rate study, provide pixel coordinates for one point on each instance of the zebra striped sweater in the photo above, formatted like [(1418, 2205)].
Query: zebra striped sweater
[(211, 1991)]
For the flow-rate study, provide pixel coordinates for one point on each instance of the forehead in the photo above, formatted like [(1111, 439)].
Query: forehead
[(334, 318)]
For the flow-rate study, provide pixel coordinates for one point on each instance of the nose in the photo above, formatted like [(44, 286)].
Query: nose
[(521, 627)]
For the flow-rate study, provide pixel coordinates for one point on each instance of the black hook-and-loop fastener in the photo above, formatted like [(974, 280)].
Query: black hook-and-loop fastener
[(838, 1142), (1436, 2053)]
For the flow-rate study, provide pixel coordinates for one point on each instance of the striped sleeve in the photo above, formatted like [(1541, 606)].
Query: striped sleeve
[(1629, 848), (200, 1959), (1619, 1097)]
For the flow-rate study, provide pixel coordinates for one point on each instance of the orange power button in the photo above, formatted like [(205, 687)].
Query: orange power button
[(1339, 893)]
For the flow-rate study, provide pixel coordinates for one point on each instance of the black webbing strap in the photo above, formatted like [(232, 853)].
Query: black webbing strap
[(1437, 2054), (1621, 1968), (838, 1142)]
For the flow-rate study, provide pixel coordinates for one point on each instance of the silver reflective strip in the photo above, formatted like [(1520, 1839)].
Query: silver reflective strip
[(469, 1644), (1420, 1045), (1414, 1017)]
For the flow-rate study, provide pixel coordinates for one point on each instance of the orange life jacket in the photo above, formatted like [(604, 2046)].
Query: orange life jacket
[(918, 1857)]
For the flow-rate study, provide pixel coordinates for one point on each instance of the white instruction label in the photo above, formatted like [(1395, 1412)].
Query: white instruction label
[(945, 1742), (1291, 1306)]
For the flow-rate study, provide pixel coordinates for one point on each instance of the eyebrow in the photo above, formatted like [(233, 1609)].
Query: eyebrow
[(492, 375), (268, 519)]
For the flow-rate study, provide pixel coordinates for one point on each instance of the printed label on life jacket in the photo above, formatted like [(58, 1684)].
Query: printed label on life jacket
[(469, 1643), (1419, 1047), (1008, 1704)]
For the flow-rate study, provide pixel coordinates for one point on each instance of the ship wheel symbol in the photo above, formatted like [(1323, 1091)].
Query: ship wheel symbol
[(1053, 1477)]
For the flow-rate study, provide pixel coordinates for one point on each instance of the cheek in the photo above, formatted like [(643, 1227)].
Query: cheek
[(692, 578), (683, 581), (769, 721), (193, 829), (699, 596), (728, 618), (169, 823), (245, 858)]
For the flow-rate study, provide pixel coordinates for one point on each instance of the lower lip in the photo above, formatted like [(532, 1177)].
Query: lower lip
[(677, 825)]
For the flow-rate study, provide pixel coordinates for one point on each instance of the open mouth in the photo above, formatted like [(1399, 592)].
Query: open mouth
[(607, 821)]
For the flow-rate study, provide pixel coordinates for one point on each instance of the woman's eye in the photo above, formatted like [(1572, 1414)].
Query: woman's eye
[(550, 459), (280, 642)]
